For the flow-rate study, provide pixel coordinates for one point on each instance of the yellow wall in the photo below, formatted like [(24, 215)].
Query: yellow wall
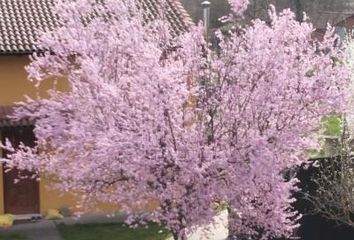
[(13, 87), (14, 84)]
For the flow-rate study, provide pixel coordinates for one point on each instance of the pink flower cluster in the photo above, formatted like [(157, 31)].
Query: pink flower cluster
[(149, 116), (238, 7)]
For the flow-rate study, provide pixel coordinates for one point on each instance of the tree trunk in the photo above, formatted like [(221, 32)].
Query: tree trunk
[(180, 236), (232, 231), (175, 236)]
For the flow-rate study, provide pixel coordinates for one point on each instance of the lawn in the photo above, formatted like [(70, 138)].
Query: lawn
[(111, 231), (13, 237)]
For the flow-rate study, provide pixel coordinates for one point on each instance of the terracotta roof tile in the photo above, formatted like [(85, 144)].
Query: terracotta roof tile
[(21, 19)]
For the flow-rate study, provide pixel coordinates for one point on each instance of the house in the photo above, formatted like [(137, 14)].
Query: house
[(19, 22)]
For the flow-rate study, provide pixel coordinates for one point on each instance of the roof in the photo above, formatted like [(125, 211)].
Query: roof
[(21, 19), (5, 111)]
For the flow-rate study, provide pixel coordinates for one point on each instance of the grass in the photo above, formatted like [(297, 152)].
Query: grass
[(332, 126), (13, 237), (112, 231)]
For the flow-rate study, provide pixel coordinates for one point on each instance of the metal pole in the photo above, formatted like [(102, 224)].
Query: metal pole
[(206, 15)]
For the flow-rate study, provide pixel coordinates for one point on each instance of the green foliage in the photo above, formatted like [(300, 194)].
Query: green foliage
[(332, 126), (315, 153), (112, 231)]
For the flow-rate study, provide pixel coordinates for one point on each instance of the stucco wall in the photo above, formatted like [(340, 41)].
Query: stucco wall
[(13, 81), (13, 87)]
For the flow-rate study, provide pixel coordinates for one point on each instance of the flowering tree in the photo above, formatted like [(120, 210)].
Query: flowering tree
[(149, 115)]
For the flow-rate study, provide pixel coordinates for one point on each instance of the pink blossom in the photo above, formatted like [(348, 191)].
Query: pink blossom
[(238, 7), (152, 116)]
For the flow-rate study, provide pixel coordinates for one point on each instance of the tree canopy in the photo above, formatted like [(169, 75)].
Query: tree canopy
[(149, 115)]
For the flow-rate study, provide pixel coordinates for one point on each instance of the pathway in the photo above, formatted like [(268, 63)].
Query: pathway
[(41, 230), (46, 229)]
